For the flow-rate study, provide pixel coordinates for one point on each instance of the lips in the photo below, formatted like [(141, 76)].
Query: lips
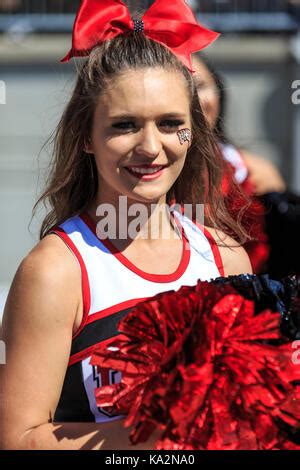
[(146, 172)]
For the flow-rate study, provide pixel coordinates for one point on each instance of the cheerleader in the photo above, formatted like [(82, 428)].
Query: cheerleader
[(263, 175), (245, 175), (133, 131), (274, 209)]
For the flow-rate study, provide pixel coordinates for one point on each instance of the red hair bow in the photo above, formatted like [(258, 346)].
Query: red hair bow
[(169, 22)]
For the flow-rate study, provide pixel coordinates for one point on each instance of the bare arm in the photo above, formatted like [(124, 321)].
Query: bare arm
[(80, 436), (264, 175), (38, 323)]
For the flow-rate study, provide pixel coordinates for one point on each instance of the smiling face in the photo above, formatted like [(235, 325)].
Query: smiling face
[(134, 137)]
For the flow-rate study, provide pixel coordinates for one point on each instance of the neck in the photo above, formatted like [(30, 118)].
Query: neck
[(126, 219)]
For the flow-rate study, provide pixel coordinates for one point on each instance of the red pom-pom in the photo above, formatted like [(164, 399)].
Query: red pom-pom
[(198, 364)]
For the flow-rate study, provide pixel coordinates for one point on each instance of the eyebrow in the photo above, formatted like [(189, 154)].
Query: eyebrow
[(178, 115)]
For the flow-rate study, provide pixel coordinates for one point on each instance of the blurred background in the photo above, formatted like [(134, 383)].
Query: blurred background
[(258, 54)]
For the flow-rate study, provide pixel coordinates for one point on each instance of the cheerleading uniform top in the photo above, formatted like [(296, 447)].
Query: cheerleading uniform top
[(258, 248), (111, 286), (237, 162)]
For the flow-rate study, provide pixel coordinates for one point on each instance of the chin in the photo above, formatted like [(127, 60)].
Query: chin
[(148, 197)]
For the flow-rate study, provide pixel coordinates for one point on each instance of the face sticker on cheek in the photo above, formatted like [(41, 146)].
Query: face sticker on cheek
[(184, 135)]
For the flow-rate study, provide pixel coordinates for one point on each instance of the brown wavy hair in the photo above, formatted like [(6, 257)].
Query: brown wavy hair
[(72, 182)]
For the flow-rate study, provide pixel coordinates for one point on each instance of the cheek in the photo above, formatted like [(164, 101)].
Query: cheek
[(106, 164), (177, 160), (119, 145), (110, 152), (176, 150)]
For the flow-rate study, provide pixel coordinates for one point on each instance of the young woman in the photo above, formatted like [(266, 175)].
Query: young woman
[(262, 174), (245, 175), (276, 209), (133, 129)]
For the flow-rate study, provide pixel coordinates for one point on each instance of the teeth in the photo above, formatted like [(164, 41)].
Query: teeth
[(146, 171)]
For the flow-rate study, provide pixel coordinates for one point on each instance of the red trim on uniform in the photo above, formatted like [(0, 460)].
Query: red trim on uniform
[(114, 309), (212, 242), (216, 251), (88, 352), (185, 259), (214, 247), (86, 293)]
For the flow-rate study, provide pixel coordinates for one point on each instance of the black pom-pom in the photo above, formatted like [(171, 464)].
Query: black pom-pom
[(282, 296)]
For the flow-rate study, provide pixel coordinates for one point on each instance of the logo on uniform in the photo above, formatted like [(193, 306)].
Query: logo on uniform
[(104, 377)]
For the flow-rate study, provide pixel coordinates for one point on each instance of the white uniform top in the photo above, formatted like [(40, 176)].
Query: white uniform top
[(234, 157), (111, 286)]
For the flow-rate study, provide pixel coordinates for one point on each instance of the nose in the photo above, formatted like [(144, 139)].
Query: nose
[(149, 143)]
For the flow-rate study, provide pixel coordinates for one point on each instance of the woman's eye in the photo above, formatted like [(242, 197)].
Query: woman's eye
[(168, 124), (124, 125), (171, 124)]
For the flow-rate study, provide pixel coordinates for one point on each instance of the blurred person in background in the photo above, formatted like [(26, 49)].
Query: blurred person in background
[(273, 215), (9, 5)]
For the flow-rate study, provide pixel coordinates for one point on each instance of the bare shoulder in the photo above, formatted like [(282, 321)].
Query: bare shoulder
[(49, 274), (250, 155), (254, 159), (51, 262), (234, 257), (38, 323)]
